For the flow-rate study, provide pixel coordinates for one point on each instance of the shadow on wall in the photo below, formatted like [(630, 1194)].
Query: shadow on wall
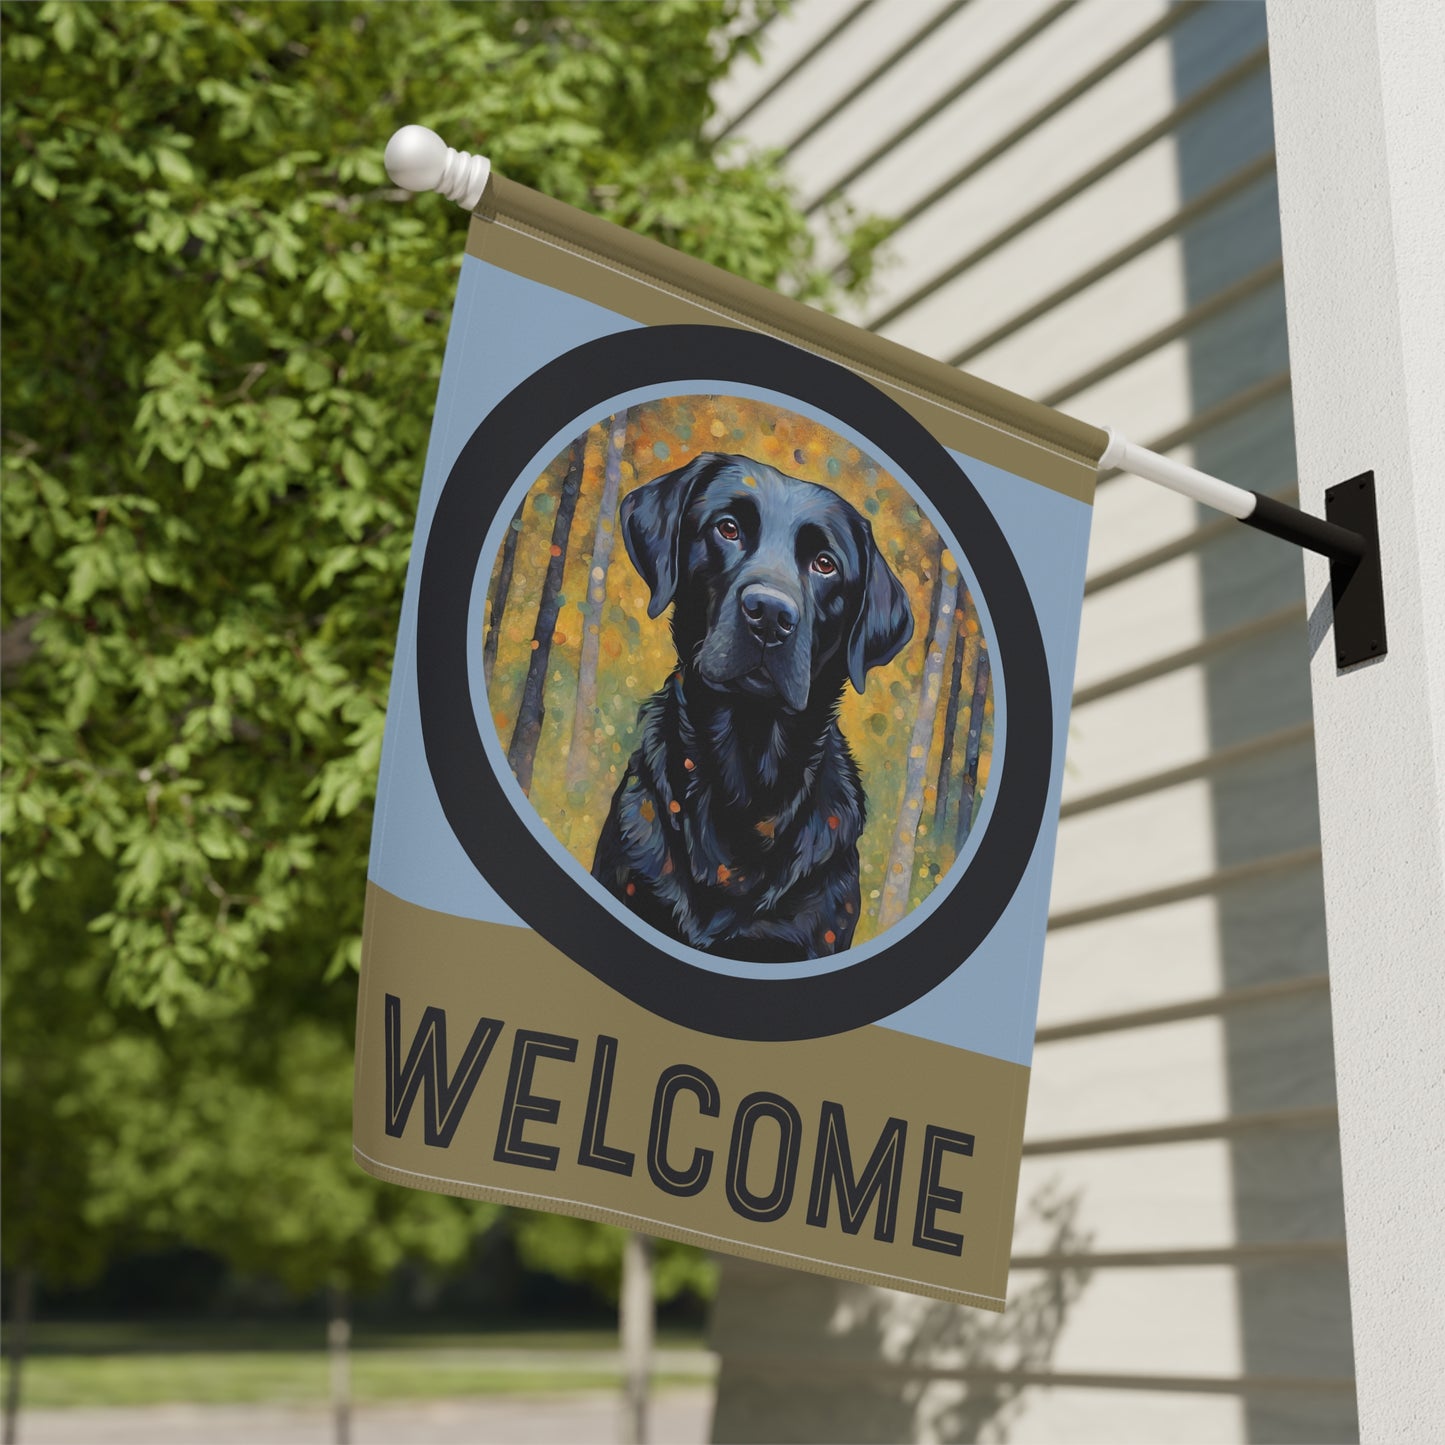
[(915, 1369)]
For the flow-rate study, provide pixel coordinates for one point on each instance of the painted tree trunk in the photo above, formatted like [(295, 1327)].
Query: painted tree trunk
[(635, 1324), (950, 720), (497, 602), (975, 737), (338, 1345), (528, 731), (899, 879), (17, 1337), (584, 719)]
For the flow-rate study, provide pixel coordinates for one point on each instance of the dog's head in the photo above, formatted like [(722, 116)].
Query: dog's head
[(780, 590)]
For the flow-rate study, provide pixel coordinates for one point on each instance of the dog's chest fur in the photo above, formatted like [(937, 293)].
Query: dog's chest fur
[(736, 827)]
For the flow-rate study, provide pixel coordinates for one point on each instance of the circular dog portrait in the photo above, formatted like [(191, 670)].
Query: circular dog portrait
[(740, 676)]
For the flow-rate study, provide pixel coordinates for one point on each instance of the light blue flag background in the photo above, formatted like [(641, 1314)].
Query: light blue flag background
[(504, 328)]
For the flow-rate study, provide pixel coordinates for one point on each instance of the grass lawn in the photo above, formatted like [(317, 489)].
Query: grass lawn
[(121, 1365)]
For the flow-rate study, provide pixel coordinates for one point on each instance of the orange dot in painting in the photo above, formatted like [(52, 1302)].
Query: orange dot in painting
[(674, 806), (631, 889), (767, 827), (833, 820), (848, 908), (689, 764), (666, 866), (723, 873), (830, 937), (535, 644), (556, 550), (501, 720), (898, 867), (560, 638), (648, 811), (750, 481)]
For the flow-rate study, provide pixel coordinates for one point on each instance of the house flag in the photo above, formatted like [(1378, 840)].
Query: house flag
[(721, 773)]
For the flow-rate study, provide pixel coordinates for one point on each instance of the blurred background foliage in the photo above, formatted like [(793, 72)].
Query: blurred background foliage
[(222, 335), (603, 655)]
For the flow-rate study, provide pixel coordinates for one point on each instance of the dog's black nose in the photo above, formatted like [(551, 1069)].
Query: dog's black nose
[(770, 616)]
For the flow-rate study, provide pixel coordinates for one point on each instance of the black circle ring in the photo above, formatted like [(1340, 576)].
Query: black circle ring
[(502, 847)]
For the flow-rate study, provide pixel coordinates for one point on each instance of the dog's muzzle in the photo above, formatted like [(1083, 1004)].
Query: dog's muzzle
[(760, 644)]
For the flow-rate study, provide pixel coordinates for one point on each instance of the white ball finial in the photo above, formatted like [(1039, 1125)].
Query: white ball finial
[(415, 158), (418, 159)]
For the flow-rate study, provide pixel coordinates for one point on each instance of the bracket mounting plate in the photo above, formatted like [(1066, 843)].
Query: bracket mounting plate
[(1357, 586)]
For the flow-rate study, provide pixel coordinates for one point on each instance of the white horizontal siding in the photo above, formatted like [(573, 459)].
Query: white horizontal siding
[(1158, 956), (789, 39), (911, 87), (1099, 320), (1153, 841), (1132, 517), (1129, 1079), (1092, 1417), (800, 90), (1067, 49), (1160, 1321), (1159, 724), (1181, 1200)]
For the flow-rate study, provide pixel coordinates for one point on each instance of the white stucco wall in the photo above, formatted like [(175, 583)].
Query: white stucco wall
[(1359, 120)]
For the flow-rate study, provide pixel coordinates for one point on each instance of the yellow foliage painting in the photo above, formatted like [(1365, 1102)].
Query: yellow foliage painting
[(570, 653)]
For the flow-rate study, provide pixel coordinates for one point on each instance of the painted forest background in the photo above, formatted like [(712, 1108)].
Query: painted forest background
[(569, 652)]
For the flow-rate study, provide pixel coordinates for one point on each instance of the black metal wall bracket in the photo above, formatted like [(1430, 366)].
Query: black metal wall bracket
[(1357, 589), (1349, 535)]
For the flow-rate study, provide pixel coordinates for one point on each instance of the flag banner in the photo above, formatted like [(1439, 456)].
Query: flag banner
[(721, 772)]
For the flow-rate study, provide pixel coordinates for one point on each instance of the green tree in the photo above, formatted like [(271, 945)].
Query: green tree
[(229, 1132), (577, 1249), (223, 330)]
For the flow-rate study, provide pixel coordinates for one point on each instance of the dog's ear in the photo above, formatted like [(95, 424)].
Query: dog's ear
[(885, 620), (652, 527)]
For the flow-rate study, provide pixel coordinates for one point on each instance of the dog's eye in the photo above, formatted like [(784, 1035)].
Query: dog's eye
[(824, 565), (728, 529)]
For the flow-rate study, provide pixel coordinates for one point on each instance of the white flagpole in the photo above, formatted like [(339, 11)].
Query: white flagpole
[(418, 159)]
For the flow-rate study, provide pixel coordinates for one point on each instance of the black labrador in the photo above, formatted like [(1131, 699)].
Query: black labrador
[(736, 826)]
